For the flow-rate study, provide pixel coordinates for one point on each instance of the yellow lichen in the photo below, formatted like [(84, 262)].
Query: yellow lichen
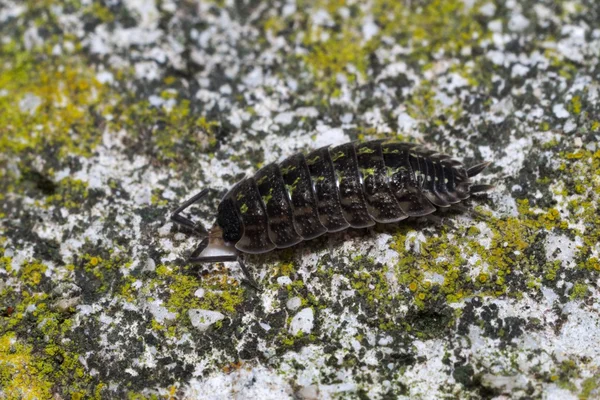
[(49, 101), (20, 378)]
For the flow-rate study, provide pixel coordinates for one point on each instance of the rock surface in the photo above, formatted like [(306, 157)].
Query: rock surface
[(112, 113)]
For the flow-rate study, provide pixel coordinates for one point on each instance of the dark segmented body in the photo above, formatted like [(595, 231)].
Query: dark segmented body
[(333, 188)]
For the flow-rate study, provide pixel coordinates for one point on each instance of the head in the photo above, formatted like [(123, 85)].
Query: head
[(220, 243), (214, 248)]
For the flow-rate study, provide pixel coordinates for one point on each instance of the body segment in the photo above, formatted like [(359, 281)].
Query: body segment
[(301, 193), (382, 205), (350, 189), (326, 192), (278, 206)]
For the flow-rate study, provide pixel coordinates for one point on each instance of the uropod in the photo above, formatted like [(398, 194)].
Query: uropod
[(353, 185)]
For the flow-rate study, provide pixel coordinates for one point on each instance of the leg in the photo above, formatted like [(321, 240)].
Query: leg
[(481, 189), (249, 277), (476, 169), (196, 259), (181, 220)]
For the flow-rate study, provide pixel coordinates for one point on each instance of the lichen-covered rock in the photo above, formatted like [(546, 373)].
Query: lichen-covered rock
[(112, 113)]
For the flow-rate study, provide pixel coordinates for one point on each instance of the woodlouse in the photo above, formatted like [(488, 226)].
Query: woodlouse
[(356, 184)]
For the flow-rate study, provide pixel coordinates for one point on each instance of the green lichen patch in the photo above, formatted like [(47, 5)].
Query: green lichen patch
[(37, 352), (49, 101), (590, 388), (20, 377), (182, 290)]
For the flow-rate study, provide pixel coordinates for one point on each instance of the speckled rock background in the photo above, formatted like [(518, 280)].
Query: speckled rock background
[(113, 112)]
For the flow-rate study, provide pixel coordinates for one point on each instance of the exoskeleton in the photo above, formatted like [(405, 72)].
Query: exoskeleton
[(353, 185)]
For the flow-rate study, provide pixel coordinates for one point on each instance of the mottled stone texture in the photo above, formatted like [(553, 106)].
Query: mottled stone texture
[(113, 112)]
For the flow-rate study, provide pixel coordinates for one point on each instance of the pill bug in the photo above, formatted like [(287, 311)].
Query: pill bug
[(353, 185)]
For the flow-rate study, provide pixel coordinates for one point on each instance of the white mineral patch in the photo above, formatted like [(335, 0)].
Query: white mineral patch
[(501, 110), (147, 70), (569, 126), (560, 111), (310, 392), (288, 9), (393, 70), (254, 78), (265, 326), (31, 38), (495, 26), (561, 248), (29, 103), (294, 303), (413, 241), (303, 321), (504, 383), (369, 28), (579, 336), (330, 136), (64, 305), (507, 204), (203, 319), (245, 383), (552, 391), (284, 118), (486, 152), (347, 118), (519, 70), (518, 23), (148, 358), (284, 280), (11, 10), (159, 312), (572, 46), (382, 252), (497, 57), (269, 301), (514, 157), (406, 122), (313, 358), (146, 10), (425, 380), (48, 230), (19, 257), (150, 265), (488, 9), (105, 77), (321, 17)]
